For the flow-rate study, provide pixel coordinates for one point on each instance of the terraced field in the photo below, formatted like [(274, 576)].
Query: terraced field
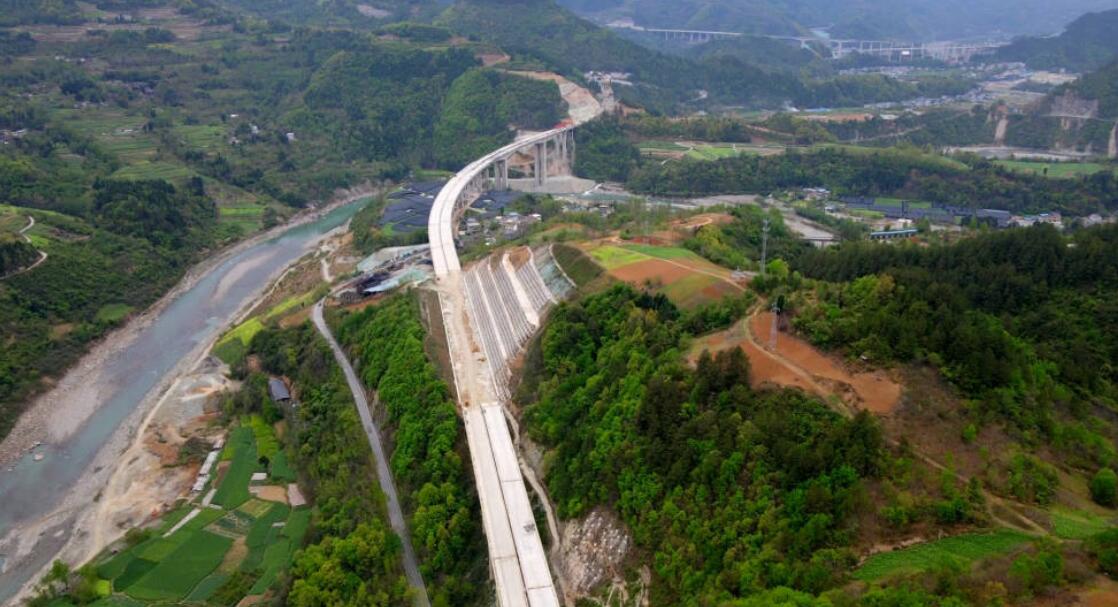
[(1055, 170), (683, 276), (962, 550), (238, 544)]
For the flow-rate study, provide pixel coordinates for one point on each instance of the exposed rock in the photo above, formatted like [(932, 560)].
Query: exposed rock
[(593, 550)]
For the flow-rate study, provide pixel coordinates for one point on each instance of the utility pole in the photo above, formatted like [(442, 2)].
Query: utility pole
[(764, 246), (775, 328)]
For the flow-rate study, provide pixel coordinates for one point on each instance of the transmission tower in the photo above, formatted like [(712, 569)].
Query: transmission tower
[(764, 245)]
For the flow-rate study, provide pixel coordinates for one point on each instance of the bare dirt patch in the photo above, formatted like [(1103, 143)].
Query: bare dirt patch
[(1105, 594), (873, 391), (519, 256), (651, 270), (491, 59), (797, 364), (237, 553), (270, 493)]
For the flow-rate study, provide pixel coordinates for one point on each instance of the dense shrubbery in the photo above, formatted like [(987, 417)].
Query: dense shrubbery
[(1019, 320), (155, 211), (352, 557), (15, 253), (480, 108), (387, 343), (738, 244), (604, 153), (732, 491), (904, 172)]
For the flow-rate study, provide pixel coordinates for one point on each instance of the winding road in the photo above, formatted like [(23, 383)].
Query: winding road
[(42, 254), (384, 474)]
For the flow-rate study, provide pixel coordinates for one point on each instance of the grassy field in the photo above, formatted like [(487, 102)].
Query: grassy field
[(663, 252), (154, 170), (1056, 170), (241, 212), (205, 136), (179, 572), (266, 443), (576, 265), (963, 550), (231, 347), (713, 151), (242, 453), (683, 276), (1076, 524), (242, 536), (896, 202), (113, 313), (611, 258), (296, 302), (665, 146)]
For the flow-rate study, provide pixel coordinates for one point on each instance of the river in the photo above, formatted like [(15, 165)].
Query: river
[(31, 489)]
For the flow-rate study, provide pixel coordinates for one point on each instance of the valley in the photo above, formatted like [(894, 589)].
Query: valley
[(522, 302)]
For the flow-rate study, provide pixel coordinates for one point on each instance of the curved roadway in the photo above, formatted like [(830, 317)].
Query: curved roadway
[(440, 226), (384, 474), (522, 577)]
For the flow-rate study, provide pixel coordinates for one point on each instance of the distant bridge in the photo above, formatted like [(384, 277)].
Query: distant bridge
[(892, 50)]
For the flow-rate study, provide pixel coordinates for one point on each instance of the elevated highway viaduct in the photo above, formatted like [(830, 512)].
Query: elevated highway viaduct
[(517, 558)]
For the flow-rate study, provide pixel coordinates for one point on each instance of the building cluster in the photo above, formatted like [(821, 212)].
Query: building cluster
[(939, 213), (208, 466), (1026, 221), (491, 217), (7, 136)]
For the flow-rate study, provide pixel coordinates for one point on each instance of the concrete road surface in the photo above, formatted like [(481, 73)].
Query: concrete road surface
[(384, 475)]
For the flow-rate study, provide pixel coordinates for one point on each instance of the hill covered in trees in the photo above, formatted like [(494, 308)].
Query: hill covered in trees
[(159, 146), (876, 19), (902, 172), (543, 31), (1087, 44)]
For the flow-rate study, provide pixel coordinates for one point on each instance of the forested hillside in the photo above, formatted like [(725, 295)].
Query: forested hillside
[(1020, 320), (877, 19), (428, 459), (481, 105), (541, 30), (903, 172), (1087, 44), (140, 147), (336, 463), (731, 491)]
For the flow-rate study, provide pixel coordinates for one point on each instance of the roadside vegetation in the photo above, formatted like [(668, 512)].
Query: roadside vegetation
[(429, 454)]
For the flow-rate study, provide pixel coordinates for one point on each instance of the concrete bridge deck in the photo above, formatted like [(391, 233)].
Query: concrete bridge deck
[(516, 554)]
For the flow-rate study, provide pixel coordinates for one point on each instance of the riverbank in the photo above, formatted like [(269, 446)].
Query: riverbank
[(72, 528), (58, 412)]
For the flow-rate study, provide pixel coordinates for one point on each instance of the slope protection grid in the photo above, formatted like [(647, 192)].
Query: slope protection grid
[(488, 305)]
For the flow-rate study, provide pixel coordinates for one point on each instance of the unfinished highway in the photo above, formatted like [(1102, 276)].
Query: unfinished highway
[(516, 553), (485, 329)]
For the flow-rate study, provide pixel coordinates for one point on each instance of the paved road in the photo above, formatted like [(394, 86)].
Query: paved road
[(384, 475)]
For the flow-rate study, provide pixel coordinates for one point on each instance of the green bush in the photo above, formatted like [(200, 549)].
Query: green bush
[(1104, 548), (1104, 487)]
